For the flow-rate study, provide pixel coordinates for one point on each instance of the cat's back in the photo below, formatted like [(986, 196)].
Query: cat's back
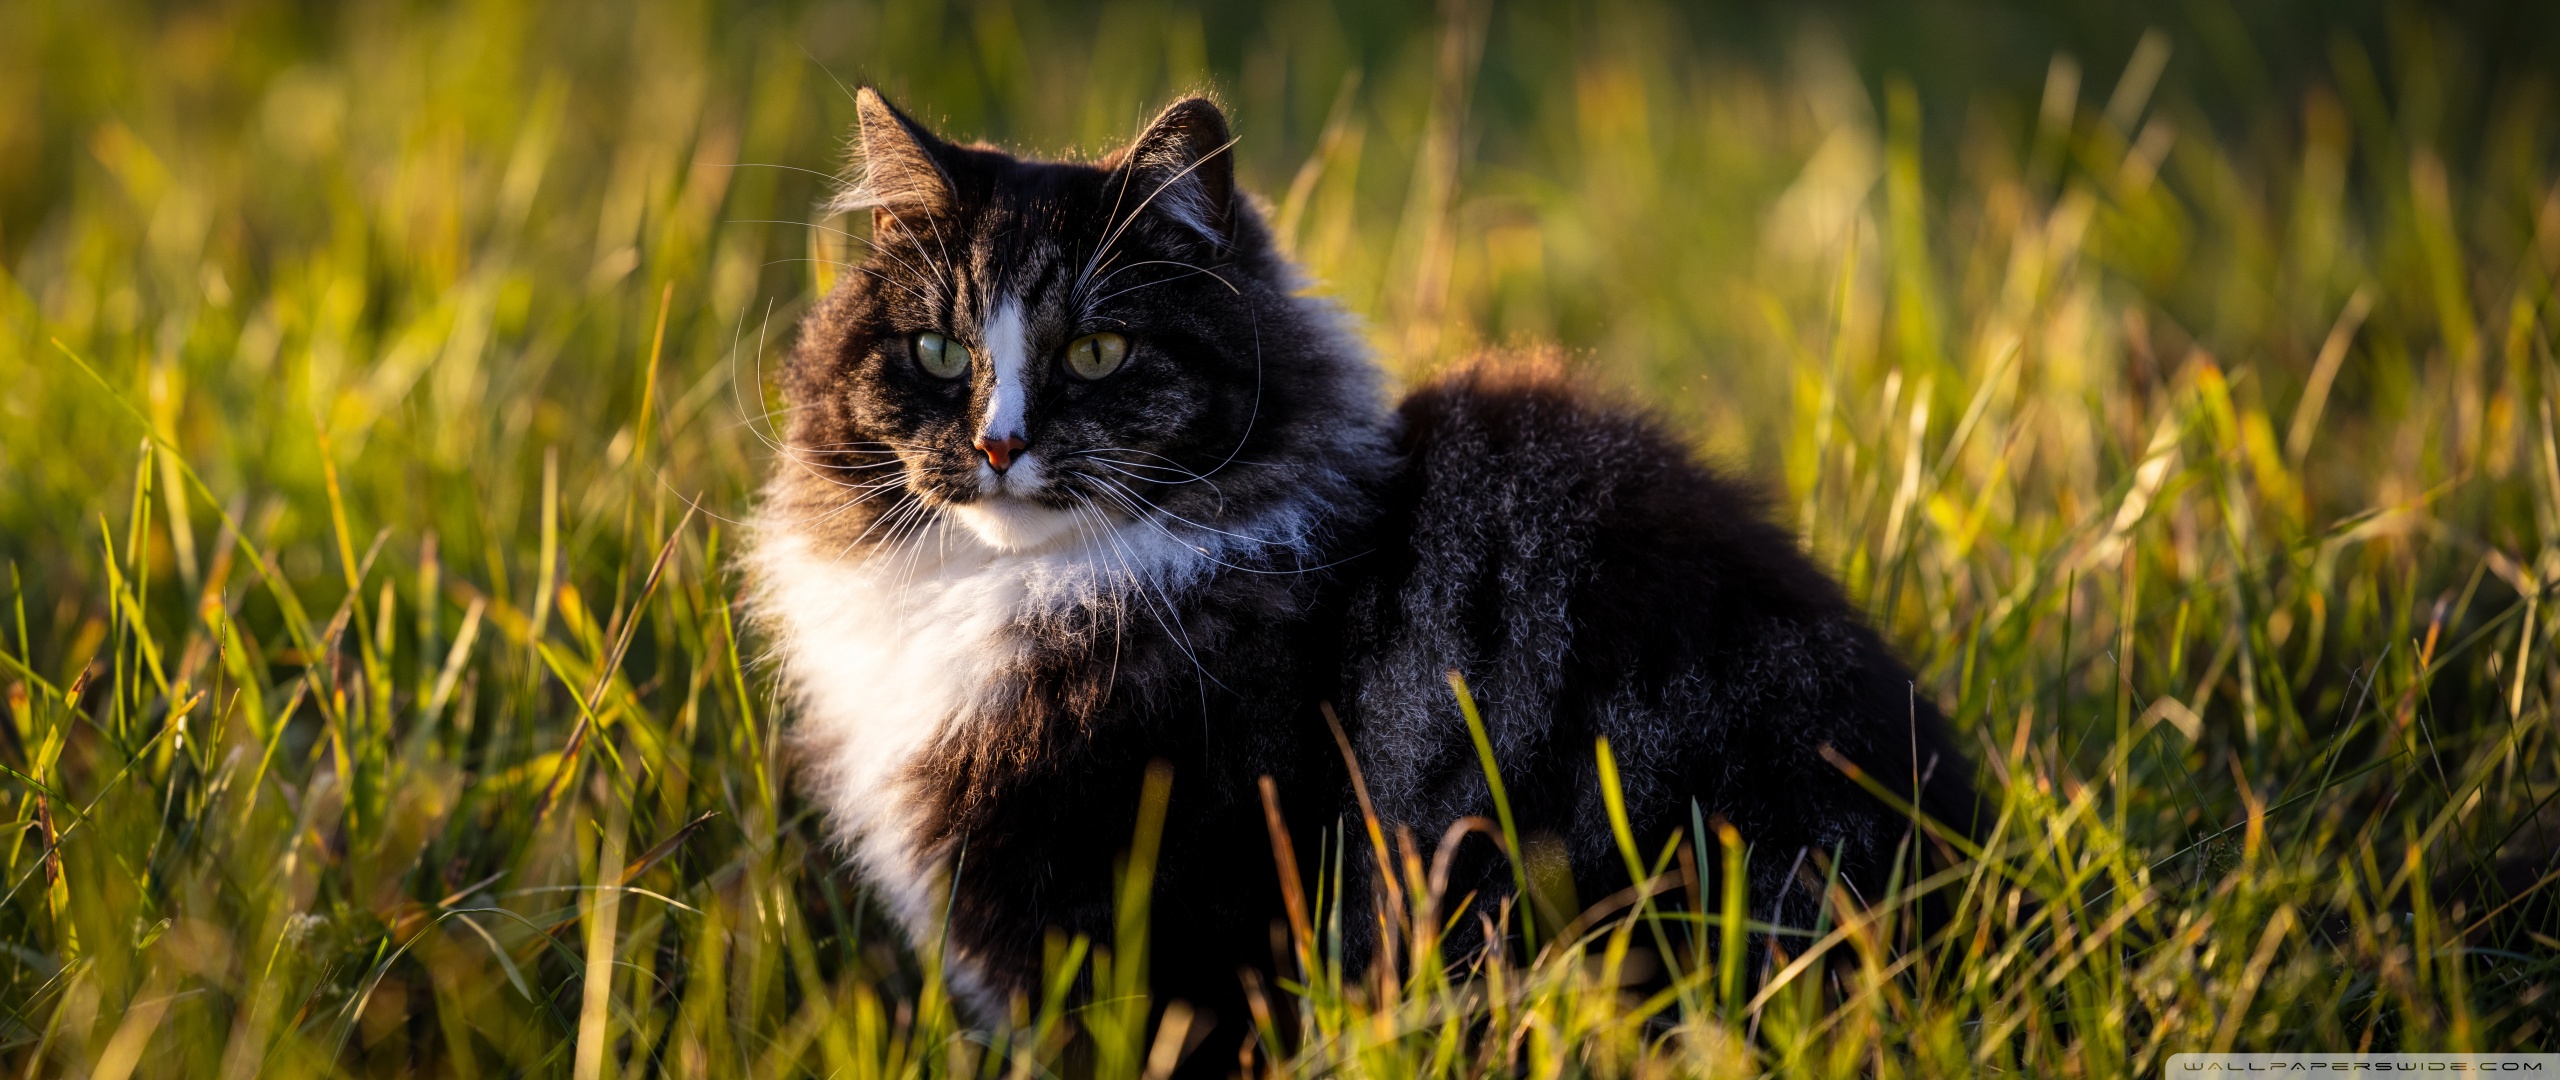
[(1592, 579), (1534, 518)]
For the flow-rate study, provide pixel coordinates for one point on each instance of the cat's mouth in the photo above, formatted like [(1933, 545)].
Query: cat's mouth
[(1007, 510), (1017, 525)]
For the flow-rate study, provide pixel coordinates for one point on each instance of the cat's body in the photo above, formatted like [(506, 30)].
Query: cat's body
[(1075, 480), (1592, 581)]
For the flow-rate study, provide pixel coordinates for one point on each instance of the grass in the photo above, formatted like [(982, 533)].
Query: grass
[(381, 382)]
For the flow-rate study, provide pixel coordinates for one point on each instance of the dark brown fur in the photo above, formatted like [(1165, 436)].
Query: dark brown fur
[(1571, 558)]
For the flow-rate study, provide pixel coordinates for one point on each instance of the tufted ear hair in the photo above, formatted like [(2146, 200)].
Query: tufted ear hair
[(903, 180), (1181, 170)]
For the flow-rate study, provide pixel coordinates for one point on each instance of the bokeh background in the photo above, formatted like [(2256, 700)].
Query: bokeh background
[(379, 382)]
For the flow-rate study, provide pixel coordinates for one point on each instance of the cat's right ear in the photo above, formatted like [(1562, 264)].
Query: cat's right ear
[(1181, 169), (903, 182)]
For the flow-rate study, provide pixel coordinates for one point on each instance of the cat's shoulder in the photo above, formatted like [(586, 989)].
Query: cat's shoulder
[(1514, 459), (1519, 436), (1526, 409)]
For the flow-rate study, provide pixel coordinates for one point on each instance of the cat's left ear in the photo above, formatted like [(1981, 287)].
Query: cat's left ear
[(904, 182), (1182, 169)]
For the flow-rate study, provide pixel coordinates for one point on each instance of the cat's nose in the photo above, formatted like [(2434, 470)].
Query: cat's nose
[(1000, 451)]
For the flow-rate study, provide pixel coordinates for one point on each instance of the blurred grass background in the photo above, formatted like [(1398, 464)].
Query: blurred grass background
[(2176, 386)]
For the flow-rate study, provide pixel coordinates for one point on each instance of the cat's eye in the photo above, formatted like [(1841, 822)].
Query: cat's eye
[(1096, 355), (940, 356)]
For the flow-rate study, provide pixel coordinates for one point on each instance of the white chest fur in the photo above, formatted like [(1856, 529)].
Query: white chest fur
[(879, 655), (882, 651)]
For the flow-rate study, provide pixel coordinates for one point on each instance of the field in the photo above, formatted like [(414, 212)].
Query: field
[(380, 386)]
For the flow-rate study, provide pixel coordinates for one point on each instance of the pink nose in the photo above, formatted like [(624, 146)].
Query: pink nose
[(1000, 451)]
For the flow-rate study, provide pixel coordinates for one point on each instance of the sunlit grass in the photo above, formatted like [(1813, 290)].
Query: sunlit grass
[(381, 387)]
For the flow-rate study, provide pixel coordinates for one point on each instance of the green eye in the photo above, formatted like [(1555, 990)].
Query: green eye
[(940, 356), (1096, 355)]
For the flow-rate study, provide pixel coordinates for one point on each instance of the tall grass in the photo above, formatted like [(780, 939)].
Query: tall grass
[(382, 383)]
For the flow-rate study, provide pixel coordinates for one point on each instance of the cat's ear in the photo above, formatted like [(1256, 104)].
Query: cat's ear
[(1182, 171), (903, 182)]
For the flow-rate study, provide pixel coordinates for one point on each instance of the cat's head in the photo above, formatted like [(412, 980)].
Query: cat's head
[(1029, 349)]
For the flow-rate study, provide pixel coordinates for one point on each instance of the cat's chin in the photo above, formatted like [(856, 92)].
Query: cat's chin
[(1016, 526)]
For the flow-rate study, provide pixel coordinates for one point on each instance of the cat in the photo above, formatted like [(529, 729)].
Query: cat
[(1077, 477)]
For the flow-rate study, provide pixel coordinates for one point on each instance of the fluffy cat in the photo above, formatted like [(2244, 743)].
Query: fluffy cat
[(1077, 478)]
